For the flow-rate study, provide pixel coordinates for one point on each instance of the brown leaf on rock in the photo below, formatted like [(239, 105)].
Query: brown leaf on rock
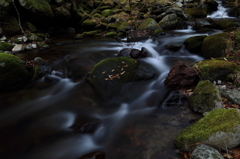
[(236, 153)]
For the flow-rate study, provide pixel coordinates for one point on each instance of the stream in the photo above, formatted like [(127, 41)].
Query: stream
[(60, 116)]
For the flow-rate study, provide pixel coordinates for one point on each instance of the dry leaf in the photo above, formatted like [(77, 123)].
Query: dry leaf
[(236, 153), (227, 155)]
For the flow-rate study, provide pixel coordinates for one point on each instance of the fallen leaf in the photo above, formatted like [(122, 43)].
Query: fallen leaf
[(227, 155)]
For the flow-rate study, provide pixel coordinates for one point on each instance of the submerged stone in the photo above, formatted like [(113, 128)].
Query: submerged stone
[(205, 152)]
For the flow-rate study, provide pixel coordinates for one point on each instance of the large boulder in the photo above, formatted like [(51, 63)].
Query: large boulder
[(6, 46), (12, 27), (39, 8), (217, 45), (194, 44), (205, 97), (220, 128), (169, 21), (181, 76), (12, 71), (110, 77), (214, 70)]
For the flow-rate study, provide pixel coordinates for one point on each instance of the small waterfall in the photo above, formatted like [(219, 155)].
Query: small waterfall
[(220, 13)]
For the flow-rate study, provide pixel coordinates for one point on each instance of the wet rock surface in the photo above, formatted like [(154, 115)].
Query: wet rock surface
[(181, 76)]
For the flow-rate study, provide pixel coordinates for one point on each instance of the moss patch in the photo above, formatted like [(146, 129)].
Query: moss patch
[(225, 120), (215, 69), (12, 70), (194, 43), (217, 45), (6, 46), (224, 23)]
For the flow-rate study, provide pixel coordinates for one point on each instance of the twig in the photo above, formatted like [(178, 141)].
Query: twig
[(19, 21)]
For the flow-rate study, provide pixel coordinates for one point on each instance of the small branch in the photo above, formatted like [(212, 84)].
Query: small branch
[(19, 21)]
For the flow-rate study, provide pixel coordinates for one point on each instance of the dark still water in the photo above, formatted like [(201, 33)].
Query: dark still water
[(60, 116)]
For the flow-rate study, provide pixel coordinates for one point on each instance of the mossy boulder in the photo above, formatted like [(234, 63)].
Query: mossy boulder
[(194, 44), (169, 21), (89, 33), (30, 27), (205, 97), (12, 27), (12, 71), (62, 12), (89, 24), (111, 77), (38, 7), (203, 151), (196, 13), (237, 36), (217, 45), (220, 128), (214, 70), (6, 46), (223, 24), (111, 34)]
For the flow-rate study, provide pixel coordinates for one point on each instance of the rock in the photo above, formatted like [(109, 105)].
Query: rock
[(6, 46), (12, 27), (205, 97), (181, 76), (30, 27), (196, 13), (39, 8), (217, 45), (173, 47), (3, 38), (148, 28), (224, 23), (169, 21), (89, 33), (119, 26), (233, 95), (33, 37), (203, 151), (125, 52), (12, 71), (214, 70), (212, 5), (194, 43), (107, 12), (62, 12), (175, 99), (111, 34), (112, 76), (19, 47), (202, 23), (220, 128)]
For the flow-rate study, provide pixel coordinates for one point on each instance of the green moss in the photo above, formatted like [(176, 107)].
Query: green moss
[(41, 6), (157, 31), (148, 23), (224, 120), (30, 27), (237, 36), (197, 13), (36, 73), (194, 43), (12, 70), (12, 27), (111, 34), (224, 23), (107, 12), (89, 22), (114, 63), (89, 33), (215, 69), (217, 45), (6, 46)]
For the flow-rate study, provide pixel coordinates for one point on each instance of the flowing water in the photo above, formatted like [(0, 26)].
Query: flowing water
[(45, 119)]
